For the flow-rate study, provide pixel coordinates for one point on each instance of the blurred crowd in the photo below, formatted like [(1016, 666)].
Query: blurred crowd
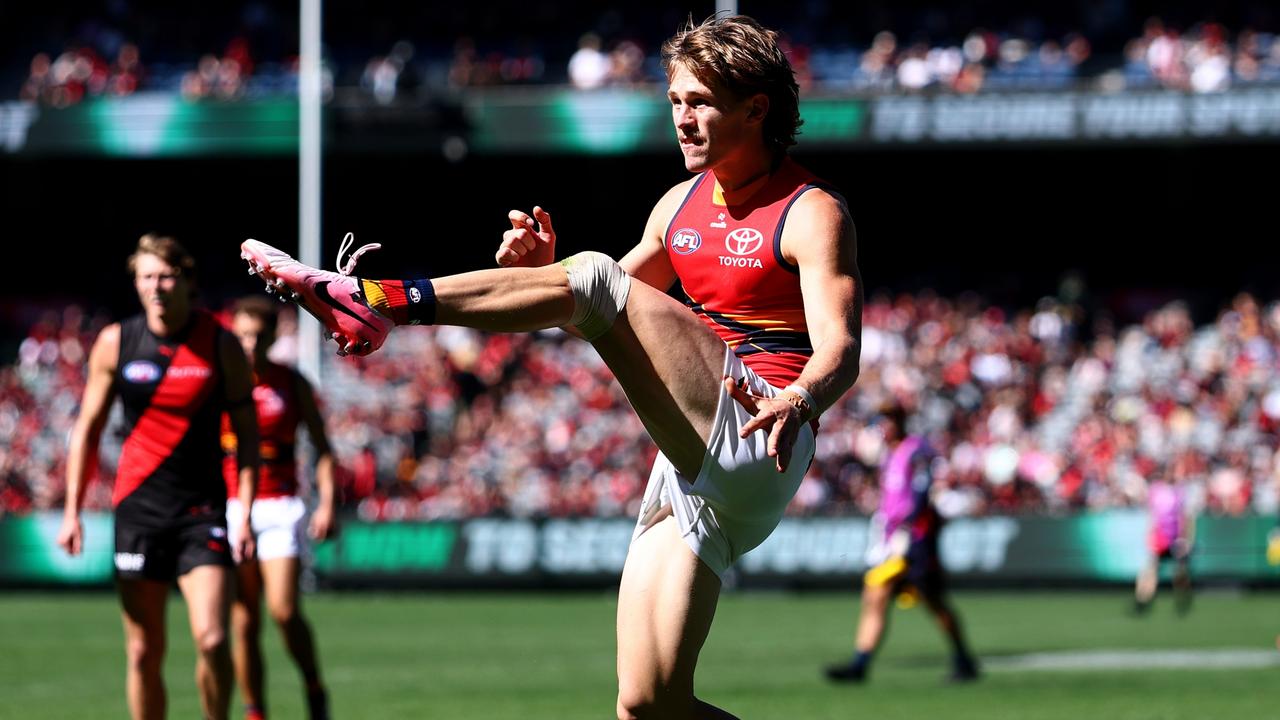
[(1031, 412), (1206, 57), (81, 71), (877, 48)]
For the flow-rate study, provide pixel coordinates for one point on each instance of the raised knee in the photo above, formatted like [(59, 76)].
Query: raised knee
[(600, 288)]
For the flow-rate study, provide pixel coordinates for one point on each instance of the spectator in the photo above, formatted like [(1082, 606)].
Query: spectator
[(589, 67)]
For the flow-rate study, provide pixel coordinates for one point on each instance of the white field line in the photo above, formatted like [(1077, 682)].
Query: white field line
[(1219, 659)]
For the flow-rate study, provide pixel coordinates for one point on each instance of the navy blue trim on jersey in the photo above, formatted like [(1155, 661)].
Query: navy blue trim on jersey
[(782, 222), (757, 339), (671, 223), (775, 342)]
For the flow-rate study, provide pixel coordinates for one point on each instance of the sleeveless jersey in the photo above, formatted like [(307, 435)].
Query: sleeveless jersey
[(275, 398), (729, 261), (172, 392)]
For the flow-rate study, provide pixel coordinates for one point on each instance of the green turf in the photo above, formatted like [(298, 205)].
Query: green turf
[(529, 655)]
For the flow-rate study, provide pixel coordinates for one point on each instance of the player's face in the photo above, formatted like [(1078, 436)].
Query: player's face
[(711, 124), (253, 336), (161, 287)]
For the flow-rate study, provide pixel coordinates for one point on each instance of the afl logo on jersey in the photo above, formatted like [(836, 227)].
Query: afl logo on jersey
[(743, 241), (686, 241), (141, 372)]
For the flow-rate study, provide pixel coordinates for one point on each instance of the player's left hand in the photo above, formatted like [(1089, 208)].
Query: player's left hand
[(245, 545), (780, 418)]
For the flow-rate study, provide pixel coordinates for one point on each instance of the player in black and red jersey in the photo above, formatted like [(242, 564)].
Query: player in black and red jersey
[(175, 371)]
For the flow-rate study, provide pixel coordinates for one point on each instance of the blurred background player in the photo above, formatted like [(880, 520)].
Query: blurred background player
[(1170, 537), (176, 372), (903, 553), (282, 398)]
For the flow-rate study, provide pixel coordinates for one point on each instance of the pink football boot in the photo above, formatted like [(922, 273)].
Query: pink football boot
[(336, 299)]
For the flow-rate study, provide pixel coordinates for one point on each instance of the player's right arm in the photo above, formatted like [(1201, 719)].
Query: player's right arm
[(82, 455)]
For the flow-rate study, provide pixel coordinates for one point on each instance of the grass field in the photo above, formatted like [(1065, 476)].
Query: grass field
[(528, 655)]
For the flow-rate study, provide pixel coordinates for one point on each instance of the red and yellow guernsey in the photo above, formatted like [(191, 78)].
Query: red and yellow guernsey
[(275, 399), (729, 261)]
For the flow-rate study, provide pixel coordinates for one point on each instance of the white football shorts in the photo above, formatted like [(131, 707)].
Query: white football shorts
[(278, 525), (739, 496)]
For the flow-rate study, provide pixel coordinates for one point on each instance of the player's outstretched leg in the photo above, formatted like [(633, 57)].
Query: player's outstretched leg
[(359, 313), (669, 364)]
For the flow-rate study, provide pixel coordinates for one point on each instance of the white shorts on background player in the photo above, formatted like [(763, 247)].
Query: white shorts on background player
[(277, 525), (739, 496)]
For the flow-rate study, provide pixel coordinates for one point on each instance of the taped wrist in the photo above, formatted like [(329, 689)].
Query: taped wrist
[(600, 288)]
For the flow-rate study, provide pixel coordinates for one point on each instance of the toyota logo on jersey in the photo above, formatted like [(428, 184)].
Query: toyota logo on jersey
[(744, 241), (686, 241)]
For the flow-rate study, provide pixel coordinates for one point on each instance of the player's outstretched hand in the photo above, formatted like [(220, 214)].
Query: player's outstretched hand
[(531, 241), (778, 417)]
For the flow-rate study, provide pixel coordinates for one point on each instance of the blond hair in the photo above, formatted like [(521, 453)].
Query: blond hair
[(167, 249), (742, 56)]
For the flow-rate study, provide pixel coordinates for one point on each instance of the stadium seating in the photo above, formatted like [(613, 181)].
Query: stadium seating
[(1030, 413)]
